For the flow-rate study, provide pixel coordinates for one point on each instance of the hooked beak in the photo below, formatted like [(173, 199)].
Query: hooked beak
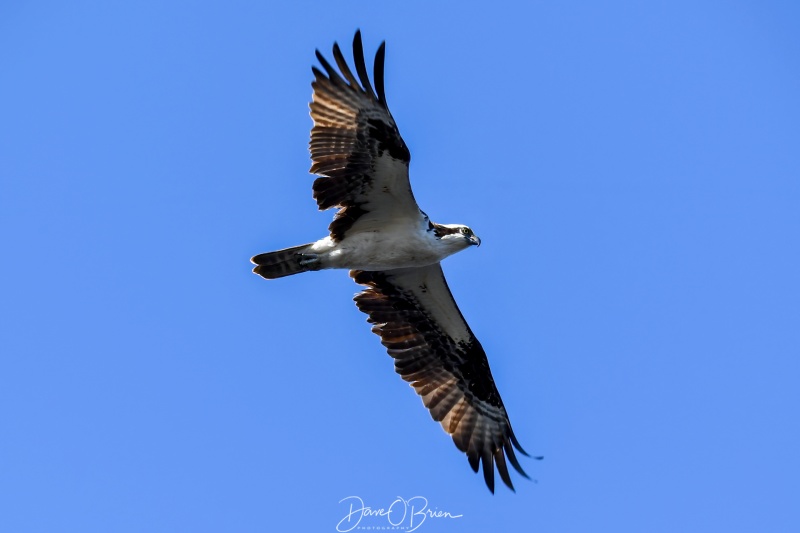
[(474, 239)]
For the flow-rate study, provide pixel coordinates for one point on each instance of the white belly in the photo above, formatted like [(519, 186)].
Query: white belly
[(380, 250)]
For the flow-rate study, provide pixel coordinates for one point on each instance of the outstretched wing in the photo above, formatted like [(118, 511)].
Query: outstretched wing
[(433, 348), (356, 148)]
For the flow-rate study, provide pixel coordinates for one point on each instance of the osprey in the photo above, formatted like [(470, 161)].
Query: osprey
[(389, 245)]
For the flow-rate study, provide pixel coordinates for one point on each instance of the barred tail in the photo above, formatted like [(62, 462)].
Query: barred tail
[(273, 265)]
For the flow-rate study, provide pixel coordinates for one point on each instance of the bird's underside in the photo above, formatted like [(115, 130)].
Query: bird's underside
[(390, 246)]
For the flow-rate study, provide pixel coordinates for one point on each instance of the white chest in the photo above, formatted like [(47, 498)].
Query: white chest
[(385, 250)]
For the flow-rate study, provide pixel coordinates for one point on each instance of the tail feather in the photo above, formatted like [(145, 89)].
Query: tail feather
[(286, 262)]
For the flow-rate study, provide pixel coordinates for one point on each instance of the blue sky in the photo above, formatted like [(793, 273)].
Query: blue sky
[(632, 169)]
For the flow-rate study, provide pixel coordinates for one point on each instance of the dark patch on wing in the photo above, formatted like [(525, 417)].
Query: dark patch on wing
[(353, 130), (388, 140), (344, 220), (474, 368), (452, 376)]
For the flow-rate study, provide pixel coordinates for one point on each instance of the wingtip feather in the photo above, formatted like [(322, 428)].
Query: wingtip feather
[(502, 468), (343, 67), (513, 459), (378, 72), (516, 442), (488, 470), (474, 462), (361, 67)]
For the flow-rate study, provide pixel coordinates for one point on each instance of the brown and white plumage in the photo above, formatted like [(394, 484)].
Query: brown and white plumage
[(435, 351), (356, 147), (392, 248)]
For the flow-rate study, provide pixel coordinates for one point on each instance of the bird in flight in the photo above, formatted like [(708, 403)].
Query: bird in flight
[(391, 246)]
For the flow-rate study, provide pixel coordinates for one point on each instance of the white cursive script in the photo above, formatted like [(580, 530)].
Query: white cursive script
[(412, 512)]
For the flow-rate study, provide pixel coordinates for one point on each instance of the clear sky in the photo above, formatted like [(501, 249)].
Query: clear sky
[(633, 169)]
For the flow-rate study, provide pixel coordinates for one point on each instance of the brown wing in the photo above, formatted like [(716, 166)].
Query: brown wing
[(434, 350), (356, 147)]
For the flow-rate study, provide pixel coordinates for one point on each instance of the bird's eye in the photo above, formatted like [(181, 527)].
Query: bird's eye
[(465, 231)]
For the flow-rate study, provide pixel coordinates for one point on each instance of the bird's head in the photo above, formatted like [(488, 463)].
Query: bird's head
[(456, 236)]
